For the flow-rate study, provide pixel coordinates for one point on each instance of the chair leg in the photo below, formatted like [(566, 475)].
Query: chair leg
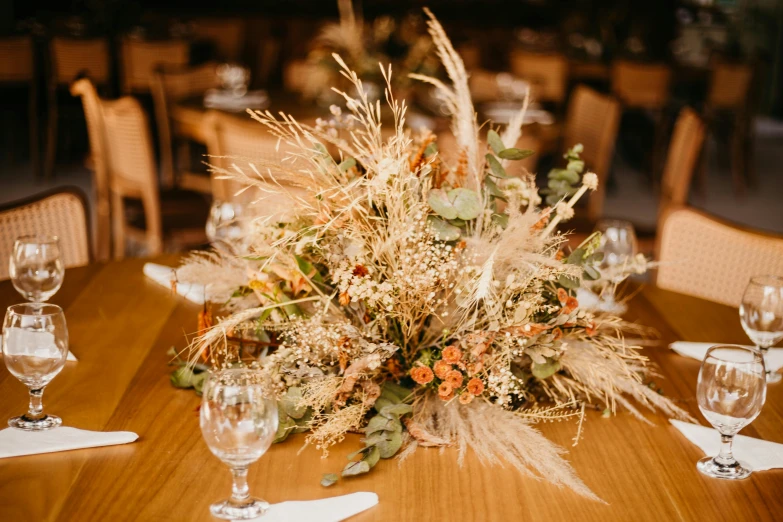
[(738, 157), (51, 136), (35, 135), (118, 224)]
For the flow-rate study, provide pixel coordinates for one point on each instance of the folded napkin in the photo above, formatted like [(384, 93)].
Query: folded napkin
[(164, 275), (773, 358), (69, 357), (332, 509), (227, 100), (15, 443), (759, 454)]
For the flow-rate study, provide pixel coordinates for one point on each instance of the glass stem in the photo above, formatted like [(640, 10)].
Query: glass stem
[(763, 350), (35, 409), (239, 489), (725, 457)]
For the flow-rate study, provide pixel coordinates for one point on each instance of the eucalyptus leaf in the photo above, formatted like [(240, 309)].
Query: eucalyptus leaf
[(347, 164), (182, 377), (568, 282), (380, 423), (576, 257), (566, 175), (576, 166), (198, 382), (285, 425), (381, 403), (466, 202), (396, 410), (515, 154), (500, 219), (395, 389), (492, 188), (329, 479), (591, 273), (372, 456), (443, 230), (290, 402), (495, 142), (355, 468), (441, 203), (496, 168), (547, 369), (389, 447)]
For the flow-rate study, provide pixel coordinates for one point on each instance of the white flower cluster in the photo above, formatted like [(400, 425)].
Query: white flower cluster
[(356, 281), (520, 192)]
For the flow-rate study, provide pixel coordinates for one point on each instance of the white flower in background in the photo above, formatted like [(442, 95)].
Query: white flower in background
[(564, 211), (522, 190), (590, 180)]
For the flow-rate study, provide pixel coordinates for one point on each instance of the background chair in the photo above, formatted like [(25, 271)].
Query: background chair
[(682, 159), (140, 59), (708, 258), (172, 84), (100, 171), (547, 73), (592, 120), (174, 219), (70, 58), (227, 35), (61, 213), (17, 69)]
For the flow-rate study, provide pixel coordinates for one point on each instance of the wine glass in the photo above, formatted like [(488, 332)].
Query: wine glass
[(761, 314), (238, 422), (731, 391), (35, 345), (618, 245), (36, 267), (224, 222)]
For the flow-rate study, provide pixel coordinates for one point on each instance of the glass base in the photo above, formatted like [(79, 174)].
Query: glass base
[(228, 510), (47, 422), (736, 471), (773, 377)]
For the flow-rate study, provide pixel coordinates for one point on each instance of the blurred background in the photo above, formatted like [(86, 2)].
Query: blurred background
[(676, 102)]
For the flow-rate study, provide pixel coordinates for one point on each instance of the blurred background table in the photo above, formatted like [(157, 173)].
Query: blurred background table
[(122, 324)]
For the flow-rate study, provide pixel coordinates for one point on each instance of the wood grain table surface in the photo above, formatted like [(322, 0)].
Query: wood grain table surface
[(121, 326)]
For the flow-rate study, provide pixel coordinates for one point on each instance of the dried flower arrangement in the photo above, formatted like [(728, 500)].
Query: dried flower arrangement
[(419, 303)]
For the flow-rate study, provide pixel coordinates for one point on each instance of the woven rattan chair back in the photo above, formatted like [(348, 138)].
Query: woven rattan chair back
[(141, 58), (641, 85), (729, 86), (707, 258), (73, 57), (682, 159), (62, 214), (593, 120), (16, 60), (547, 73)]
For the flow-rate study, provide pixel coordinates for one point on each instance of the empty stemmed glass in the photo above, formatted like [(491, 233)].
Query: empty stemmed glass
[(731, 391), (35, 345), (36, 267), (238, 422), (618, 245), (761, 314), (224, 221)]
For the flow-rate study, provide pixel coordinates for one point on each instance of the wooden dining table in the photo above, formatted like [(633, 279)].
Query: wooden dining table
[(122, 325)]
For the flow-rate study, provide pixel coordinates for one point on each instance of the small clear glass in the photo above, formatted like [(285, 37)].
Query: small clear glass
[(618, 245), (36, 267), (238, 422), (761, 314), (731, 391), (35, 346), (224, 221)]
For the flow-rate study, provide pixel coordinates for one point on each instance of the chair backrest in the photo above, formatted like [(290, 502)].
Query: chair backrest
[(707, 258), (729, 86), (171, 84), (641, 85), (240, 141), (140, 59), (306, 78), (547, 73), (483, 85), (61, 213), (96, 132), (593, 120), (471, 55), (681, 160), (226, 34), (71, 57), (16, 60)]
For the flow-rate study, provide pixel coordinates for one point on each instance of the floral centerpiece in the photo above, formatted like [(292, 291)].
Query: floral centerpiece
[(418, 303)]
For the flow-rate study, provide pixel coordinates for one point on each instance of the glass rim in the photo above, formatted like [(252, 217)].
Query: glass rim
[(767, 280), (54, 309), (222, 377), (613, 222), (736, 347), (42, 239)]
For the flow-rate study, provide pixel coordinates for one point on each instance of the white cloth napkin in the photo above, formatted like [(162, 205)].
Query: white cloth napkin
[(760, 454), (70, 357), (164, 275), (332, 509), (773, 358), (15, 443)]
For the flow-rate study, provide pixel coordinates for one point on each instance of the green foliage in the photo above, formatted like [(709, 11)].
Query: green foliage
[(460, 203), (347, 164), (563, 183), (496, 168), (547, 369), (187, 376), (515, 154), (444, 231), (292, 417)]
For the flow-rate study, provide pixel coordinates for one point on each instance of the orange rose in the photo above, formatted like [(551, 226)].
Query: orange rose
[(571, 304), (445, 391), (474, 368), (454, 378), (562, 296), (591, 329), (476, 386), (422, 375), (441, 369), (465, 398), (452, 354)]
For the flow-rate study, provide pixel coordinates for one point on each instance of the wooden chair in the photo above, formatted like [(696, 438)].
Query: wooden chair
[(226, 34), (61, 213), (705, 257), (305, 78), (17, 69), (85, 89), (547, 73), (593, 120), (483, 86), (241, 141), (730, 93), (174, 219), (70, 58), (169, 86), (141, 58), (644, 86), (682, 159), (471, 55)]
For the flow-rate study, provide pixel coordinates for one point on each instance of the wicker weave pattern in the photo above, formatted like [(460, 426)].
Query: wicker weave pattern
[(16, 59), (71, 57), (705, 258), (729, 86), (140, 59), (684, 151), (547, 72), (641, 85), (62, 215)]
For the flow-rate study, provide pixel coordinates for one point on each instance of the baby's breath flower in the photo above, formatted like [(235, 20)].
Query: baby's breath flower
[(590, 180)]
